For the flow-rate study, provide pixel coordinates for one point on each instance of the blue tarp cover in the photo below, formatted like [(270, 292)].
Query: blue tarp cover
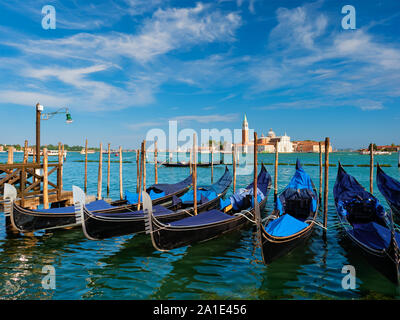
[(202, 196), (284, 226), (263, 181), (389, 187), (202, 218), (92, 206), (299, 187), (133, 198), (347, 187), (223, 183), (348, 191), (373, 234), (238, 199), (170, 188)]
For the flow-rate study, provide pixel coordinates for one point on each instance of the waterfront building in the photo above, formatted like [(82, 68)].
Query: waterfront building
[(309, 146), (265, 143)]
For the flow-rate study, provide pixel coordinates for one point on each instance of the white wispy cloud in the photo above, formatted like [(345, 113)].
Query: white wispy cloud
[(307, 59), (133, 55), (165, 31)]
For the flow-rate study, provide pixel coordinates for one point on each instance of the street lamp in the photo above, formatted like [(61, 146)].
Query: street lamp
[(47, 116)]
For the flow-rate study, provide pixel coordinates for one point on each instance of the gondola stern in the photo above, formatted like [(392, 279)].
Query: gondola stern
[(150, 219), (10, 196), (79, 204)]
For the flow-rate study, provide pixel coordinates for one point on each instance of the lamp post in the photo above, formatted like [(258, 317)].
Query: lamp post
[(47, 116), (39, 109)]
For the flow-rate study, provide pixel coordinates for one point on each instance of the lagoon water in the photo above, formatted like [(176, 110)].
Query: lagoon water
[(229, 267)]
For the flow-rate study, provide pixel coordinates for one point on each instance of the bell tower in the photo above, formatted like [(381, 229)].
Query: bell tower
[(245, 131)]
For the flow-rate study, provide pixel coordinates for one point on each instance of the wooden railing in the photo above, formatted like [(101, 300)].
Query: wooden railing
[(29, 180)]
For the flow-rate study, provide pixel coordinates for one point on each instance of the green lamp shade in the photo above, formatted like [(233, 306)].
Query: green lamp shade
[(69, 118)]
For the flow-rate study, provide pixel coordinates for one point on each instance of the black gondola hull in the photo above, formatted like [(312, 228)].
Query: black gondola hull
[(101, 228), (26, 220), (274, 248), (382, 260), (175, 237)]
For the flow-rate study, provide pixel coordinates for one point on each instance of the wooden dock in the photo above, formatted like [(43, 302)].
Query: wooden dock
[(31, 179)]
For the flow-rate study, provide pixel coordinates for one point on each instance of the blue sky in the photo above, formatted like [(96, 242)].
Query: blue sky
[(124, 67)]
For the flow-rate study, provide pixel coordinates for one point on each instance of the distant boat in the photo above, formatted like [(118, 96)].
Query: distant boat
[(89, 151), (364, 152), (50, 153)]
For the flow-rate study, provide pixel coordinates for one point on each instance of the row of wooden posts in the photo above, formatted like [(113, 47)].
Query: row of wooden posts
[(141, 171)]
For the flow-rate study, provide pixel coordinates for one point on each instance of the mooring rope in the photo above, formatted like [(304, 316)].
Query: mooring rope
[(242, 214)]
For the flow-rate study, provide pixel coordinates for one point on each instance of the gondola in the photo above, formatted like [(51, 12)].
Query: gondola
[(293, 219), (390, 188), (103, 225), (27, 220), (367, 224), (234, 213)]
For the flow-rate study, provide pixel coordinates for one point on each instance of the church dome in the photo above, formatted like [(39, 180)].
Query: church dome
[(271, 133)]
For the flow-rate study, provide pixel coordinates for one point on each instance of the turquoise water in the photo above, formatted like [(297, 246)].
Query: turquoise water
[(229, 267)]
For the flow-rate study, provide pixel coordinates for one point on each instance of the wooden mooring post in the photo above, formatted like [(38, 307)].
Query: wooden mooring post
[(86, 151), (194, 174), (121, 191), (212, 166), (10, 159), (141, 173), (234, 168), (45, 180), (155, 163), (326, 184), (108, 169), (276, 172), (255, 170), (371, 168), (190, 162), (60, 171), (137, 170), (144, 165), (320, 172), (25, 152), (100, 173)]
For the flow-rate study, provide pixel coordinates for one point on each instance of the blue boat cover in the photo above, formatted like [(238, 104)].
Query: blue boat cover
[(223, 182), (133, 198), (299, 187), (373, 235), (347, 187), (349, 193), (285, 226), (202, 219), (158, 210), (389, 187), (263, 181), (243, 198), (92, 206), (170, 188), (203, 196)]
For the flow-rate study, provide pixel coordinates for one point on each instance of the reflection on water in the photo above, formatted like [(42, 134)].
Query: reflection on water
[(229, 267)]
